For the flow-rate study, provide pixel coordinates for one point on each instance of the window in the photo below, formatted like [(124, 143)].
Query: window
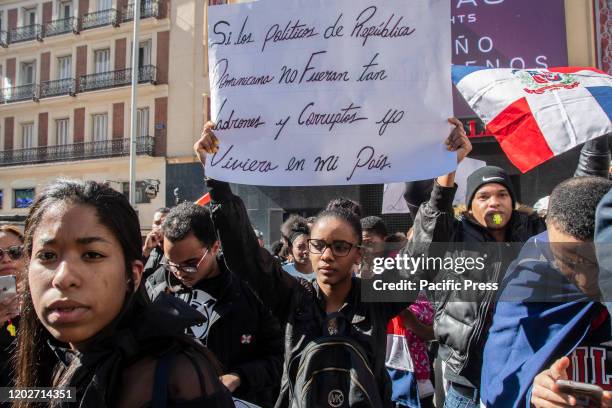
[(144, 53), (141, 196), (27, 135), (64, 67), (104, 4), (23, 197), (100, 127), (28, 73), (6, 83), (65, 9), (102, 60), (1, 199), (61, 131), (29, 16), (142, 122)]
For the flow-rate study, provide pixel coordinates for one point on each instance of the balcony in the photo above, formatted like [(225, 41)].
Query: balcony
[(3, 39), (113, 79), (145, 145), (19, 93), (63, 26), (99, 19), (25, 33), (148, 8), (57, 88)]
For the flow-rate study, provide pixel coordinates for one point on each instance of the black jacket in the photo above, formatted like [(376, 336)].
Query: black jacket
[(144, 334), (298, 304), (241, 332), (461, 321)]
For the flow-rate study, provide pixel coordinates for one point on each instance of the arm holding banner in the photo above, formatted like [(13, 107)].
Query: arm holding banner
[(435, 218), (242, 252)]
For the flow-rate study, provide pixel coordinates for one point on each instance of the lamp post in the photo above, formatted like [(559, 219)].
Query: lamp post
[(134, 103)]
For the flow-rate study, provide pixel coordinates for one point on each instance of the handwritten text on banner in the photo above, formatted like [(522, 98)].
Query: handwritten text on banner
[(329, 92)]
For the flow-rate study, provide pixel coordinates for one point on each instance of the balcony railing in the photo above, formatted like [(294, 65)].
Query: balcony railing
[(148, 8), (112, 79), (56, 88), (19, 93), (77, 151), (25, 33), (3, 39), (63, 26), (99, 19)]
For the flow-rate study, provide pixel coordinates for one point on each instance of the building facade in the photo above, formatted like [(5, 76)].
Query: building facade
[(65, 100)]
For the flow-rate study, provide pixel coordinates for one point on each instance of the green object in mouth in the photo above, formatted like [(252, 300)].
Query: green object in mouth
[(497, 219)]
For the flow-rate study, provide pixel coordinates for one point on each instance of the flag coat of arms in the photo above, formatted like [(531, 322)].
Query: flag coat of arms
[(536, 114)]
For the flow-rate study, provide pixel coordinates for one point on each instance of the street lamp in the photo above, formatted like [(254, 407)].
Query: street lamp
[(134, 102)]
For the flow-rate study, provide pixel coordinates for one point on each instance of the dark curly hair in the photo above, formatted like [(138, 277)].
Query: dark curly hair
[(573, 203), (189, 218)]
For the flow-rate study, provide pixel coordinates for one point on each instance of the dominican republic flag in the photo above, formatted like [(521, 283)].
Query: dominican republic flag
[(536, 114)]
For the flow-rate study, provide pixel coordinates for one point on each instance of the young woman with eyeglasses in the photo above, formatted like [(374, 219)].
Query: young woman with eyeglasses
[(311, 312), (86, 322), (11, 264)]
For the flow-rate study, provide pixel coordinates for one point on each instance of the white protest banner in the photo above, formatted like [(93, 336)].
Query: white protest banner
[(330, 92)]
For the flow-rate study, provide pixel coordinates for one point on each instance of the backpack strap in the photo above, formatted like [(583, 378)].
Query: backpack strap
[(160, 382)]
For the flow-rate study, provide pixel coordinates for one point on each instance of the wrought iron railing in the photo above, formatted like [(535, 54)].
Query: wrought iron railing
[(25, 33), (63, 26), (112, 79), (58, 87), (99, 19), (148, 8), (19, 93), (3, 39), (77, 151)]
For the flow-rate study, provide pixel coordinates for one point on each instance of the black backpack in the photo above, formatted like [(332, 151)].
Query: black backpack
[(332, 371)]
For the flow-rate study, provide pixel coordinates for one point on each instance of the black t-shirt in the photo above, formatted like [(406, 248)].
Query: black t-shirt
[(203, 297), (591, 361)]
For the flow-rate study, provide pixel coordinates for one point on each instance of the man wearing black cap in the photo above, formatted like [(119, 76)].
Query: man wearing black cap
[(490, 200), (463, 317)]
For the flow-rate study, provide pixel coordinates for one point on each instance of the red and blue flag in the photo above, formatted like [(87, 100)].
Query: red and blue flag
[(536, 114)]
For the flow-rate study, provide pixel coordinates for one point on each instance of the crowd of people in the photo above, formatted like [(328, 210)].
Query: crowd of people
[(200, 314)]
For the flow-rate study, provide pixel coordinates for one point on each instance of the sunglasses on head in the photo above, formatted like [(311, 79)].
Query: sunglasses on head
[(14, 252)]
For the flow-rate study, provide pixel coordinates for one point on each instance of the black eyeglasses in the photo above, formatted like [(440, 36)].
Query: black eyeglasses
[(338, 248), (14, 252)]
